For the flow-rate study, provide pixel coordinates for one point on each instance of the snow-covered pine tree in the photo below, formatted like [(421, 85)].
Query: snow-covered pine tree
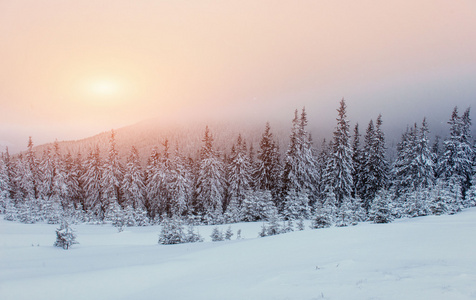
[(344, 214), (325, 213), (417, 203), (323, 171), (152, 193), (112, 175), (296, 205), (341, 166), (27, 178), (210, 182), (375, 172), (234, 210), (115, 214), (73, 171), (299, 173), (357, 161), (91, 180), (239, 172), (228, 233), (401, 170), (217, 235), (258, 205), (439, 199), (424, 173), (65, 236), (457, 157), (381, 210), (53, 189), (192, 236), (181, 185), (268, 167), (172, 231), (133, 188), (5, 187), (272, 227)]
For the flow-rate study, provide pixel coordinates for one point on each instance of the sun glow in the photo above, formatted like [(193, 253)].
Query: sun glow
[(104, 91), (105, 88)]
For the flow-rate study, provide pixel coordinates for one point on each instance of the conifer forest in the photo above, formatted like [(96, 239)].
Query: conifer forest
[(340, 182)]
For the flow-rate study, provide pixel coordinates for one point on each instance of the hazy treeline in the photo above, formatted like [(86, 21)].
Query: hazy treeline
[(343, 181)]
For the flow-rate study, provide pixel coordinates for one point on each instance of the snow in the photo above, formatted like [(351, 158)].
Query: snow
[(421, 258)]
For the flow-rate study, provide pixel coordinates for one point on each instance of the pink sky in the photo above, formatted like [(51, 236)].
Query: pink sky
[(69, 69)]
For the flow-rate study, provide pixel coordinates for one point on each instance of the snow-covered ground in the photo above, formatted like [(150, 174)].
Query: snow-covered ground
[(423, 258)]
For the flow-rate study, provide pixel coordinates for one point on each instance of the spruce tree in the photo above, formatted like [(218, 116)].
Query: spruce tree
[(133, 188), (65, 236), (4, 184), (112, 175), (268, 167), (381, 210), (341, 166), (210, 182), (375, 172), (357, 161), (299, 174), (239, 171), (92, 184), (457, 157), (152, 192), (181, 185)]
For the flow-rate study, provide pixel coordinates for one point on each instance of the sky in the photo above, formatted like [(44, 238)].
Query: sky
[(72, 69)]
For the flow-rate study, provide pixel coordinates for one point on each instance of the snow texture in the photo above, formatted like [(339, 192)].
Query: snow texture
[(429, 257)]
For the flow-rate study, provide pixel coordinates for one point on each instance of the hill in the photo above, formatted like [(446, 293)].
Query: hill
[(187, 135)]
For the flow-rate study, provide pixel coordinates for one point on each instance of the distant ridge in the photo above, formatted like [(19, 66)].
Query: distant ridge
[(186, 136)]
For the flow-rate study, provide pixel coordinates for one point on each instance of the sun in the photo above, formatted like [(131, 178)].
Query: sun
[(104, 88)]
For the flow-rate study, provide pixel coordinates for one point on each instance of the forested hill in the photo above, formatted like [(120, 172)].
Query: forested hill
[(186, 135)]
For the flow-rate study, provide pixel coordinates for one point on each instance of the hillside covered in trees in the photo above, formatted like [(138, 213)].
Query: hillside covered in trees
[(345, 180)]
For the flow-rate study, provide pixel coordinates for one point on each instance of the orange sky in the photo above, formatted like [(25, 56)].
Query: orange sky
[(69, 69)]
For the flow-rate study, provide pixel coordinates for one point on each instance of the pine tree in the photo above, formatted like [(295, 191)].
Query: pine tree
[(299, 174), (92, 185), (210, 182), (65, 236), (381, 210), (217, 235), (53, 189), (228, 233), (172, 231), (341, 166), (27, 178), (112, 175), (458, 154), (180, 185), (326, 212), (357, 161), (296, 205), (258, 205), (133, 188), (152, 192), (375, 171), (268, 167), (239, 171), (73, 172), (5, 187), (344, 215), (323, 171)]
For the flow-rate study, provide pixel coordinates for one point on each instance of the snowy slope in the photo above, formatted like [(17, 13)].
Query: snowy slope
[(423, 258)]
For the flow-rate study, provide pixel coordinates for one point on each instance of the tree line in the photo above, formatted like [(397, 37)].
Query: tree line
[(346, 180)]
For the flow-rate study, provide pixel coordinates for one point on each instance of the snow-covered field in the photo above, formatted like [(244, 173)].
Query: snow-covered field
[(423, 258)]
